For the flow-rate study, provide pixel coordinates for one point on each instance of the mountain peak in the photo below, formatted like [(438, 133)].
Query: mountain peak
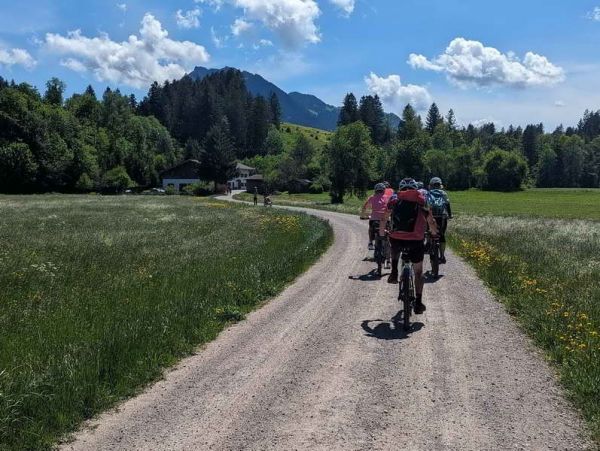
[(296, 107)]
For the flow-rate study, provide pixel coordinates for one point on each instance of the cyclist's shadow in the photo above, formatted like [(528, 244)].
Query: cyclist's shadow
[(389, 330)]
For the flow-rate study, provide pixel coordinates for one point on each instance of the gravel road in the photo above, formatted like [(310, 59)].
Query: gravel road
[(322, 366)]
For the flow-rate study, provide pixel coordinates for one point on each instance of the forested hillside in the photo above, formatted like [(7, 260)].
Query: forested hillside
[(110, 143)]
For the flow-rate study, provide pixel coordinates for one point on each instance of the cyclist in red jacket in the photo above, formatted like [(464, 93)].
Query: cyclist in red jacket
[(409, 214)]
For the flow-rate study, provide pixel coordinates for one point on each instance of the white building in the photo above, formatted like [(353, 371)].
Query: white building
[(242, 173), (185, 173)]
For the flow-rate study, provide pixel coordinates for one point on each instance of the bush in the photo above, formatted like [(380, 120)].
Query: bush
[(116, 180), (197, 189), (316, 188), (170, 190), (85, 183), (503, 171)]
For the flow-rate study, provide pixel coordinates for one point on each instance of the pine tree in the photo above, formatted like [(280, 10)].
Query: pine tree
[(433, 118), (349, 111), (275, 110), (55, 89), (451, 120), (410, 126), (218, 158), (372, 115)]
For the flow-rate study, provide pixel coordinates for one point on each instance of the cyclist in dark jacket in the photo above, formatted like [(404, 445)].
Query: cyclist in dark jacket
[(440, 208)]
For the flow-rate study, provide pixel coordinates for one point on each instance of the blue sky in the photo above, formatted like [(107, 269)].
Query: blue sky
[(509, 62)]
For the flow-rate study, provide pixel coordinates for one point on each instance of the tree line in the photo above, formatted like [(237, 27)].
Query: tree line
[(86, 143), (83, 143)]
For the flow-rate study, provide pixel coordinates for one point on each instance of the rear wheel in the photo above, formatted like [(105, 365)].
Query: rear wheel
[(406, 300), (435, 260)]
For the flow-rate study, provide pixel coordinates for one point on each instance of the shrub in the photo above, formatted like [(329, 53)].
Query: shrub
[(116, 180), (170, 190), (503, 171), (85, 183)]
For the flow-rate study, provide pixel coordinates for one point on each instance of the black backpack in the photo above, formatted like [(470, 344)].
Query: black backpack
[(404, 216)]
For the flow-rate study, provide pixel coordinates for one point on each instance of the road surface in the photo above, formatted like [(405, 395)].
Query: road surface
[(322, 366)]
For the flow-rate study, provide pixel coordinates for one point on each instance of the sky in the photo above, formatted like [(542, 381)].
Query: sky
[(508, 62)]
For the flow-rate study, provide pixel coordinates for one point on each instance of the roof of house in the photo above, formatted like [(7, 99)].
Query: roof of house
[(243, 166), (255, 177), (184, 166)]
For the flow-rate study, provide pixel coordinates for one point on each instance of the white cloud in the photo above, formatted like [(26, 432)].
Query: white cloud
[(189, 19), (265, 43), (347, 6), (136, 62), (560, 104), (292, 20), (396, 95), (470, 63), (240, 26), (216, 4), (122, 6), (20, 57), (218, 41), (74, 65), (594, 14)]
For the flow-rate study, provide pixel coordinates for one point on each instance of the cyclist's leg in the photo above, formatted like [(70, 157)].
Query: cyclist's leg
[(417, 253), (372, 232), (395, 246), (442, 226)]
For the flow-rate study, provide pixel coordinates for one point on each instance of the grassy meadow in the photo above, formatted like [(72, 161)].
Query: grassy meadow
[(316, 136), (539, 251), (100, 294), (532, 203)]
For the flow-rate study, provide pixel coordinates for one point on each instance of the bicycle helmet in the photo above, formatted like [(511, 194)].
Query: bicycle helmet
[(420, 185), (435, 181), (387, 185), (380, 187), (408, 183)]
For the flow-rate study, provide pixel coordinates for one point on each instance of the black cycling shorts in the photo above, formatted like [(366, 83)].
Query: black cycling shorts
[(415, 248)]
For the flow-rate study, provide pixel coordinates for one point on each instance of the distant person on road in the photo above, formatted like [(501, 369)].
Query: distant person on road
[(255, 195), (409, 213), (267, 200), (377, 203), (440, 208)]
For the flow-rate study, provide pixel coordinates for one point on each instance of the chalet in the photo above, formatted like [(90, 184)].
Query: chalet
[(255, 181), (182, 174), (242, 172)]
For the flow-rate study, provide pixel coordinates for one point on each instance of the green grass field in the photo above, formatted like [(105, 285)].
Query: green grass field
[(100, 294), (539, 251), (532, 203), (316, 136)]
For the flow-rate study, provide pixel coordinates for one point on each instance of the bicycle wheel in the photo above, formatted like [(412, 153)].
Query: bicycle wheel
[(406, 300), (435, 261)]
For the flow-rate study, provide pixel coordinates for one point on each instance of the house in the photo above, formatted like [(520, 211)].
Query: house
[(299, 186), (255, 181), (182, 174), (242, 172)]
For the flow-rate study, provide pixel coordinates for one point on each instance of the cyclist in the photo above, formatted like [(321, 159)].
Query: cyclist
[(409, 213), (389, 191), (421, 188), (378, 205), (440, 208)]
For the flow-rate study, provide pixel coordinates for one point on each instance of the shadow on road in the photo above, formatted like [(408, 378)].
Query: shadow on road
[(430, 278), (371, 276), (389, 330)]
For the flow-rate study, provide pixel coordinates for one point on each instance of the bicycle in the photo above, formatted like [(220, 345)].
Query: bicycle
[(407, 293), (433, 248), (382, 253)]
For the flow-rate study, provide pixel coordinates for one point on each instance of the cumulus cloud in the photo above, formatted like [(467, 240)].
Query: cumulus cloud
[(292, 20), (469, 63), (240, 26), (347, 6), (137, 62), (396, 95), (594, 14), (19, 57), (188, 19)]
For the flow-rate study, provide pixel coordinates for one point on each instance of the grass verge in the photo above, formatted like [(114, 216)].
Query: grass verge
[(100, 294), (547, 273), (539, 203)]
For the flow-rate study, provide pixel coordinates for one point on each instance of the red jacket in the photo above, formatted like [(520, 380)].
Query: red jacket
[(418, 232)]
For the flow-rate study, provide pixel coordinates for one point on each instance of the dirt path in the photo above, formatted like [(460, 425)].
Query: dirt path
[(323, 367)]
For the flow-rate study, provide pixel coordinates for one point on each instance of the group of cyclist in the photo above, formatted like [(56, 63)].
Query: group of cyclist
[(405, 217)]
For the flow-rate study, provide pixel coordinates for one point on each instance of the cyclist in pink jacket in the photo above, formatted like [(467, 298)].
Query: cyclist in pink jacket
[(377, 203)]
